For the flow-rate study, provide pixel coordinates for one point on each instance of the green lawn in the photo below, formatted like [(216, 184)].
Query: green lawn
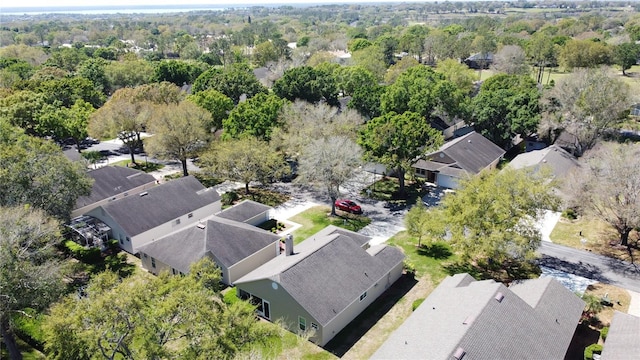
[(429, 259), (317, 218), (144, 166)]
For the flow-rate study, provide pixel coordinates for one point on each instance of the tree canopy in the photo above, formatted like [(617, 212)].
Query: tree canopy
[(254, 117), (307, 83)]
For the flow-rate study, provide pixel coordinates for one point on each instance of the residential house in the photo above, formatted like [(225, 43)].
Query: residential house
[(458, 159), (112, 183), (323, 283), (623, 340), (140, 219), (229, 238), (468, 319), (479, 61), (559, 161)]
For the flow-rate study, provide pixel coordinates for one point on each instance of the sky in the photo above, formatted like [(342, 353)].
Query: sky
[(55, 3)]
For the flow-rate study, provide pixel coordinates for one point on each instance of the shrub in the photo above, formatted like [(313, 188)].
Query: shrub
[(604, 332), (230, 297), (570, 214), (592, 349), (415, 304), (229, 197), (29, 328), (409, 268), (87, 255)]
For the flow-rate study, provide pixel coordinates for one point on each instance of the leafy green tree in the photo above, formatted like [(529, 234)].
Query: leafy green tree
[(412, 40), (36, 172), (398, 141), (254, 117), (151, 318), (424, 223), (328, 163), (24, 109), (216, 103), (234, 81), (179, 132), (388, 45), (72, 122), (398, 68), (306, 83), (625, 55), (94, 71), (351, 78), (367, 101), (372, 59), (129, 73), (584, 54), (66, 58), (507, 105), (177, 71), (542, 52), (29, 274), (458, 73), (584, 105), (358, 44), (66, 91), (426, 92), (492, 217), (244, 160)]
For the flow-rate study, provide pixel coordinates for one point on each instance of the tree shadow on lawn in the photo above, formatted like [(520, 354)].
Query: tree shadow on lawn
[(352, 333), (505, 273), (438, 251)]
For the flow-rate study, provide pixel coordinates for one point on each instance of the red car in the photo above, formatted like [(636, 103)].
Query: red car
[(348, 206)]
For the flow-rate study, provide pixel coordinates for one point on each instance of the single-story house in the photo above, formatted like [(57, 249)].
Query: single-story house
[(558, 160), (149, 215), (323, 283), (479, 61), (468, 319), (623, 340), (112, 183), (233, 242), (459, 158)]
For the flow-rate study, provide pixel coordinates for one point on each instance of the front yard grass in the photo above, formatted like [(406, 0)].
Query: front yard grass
[(144, 166), (620, 300), (428, 259), (598, 234), (317, 218)]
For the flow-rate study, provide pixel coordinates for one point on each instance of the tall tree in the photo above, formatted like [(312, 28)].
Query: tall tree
[(511, 60), (625, 55), (69, 123), (29, 275), (307, 83), (218, 104), (584, 54), (542, 52), (234, 81), (584, 105), (398, 141), (245, 160), (152, 318), (36, 172), (179, 132), (507, 105), (328, 163), (608, 187), (497, 229), (424, 223), (254, 117), (458, 73)]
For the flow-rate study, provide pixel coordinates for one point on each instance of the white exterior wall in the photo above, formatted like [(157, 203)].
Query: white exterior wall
[(356, 307), (134, 191), (259, 219), (160, 266), (250, 263), (171, 226)]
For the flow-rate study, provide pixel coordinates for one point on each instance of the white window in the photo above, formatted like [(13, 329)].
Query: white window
[(314, 326), (153, 262), (363, 296), (302, 323)]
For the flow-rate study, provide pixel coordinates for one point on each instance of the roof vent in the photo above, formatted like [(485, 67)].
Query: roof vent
[(459, 354), (201, 226), (499, 297), (144, 193), (468, 320), (469, 141)]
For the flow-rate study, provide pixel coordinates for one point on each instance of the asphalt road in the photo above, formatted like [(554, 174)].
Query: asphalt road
[(592, 266)]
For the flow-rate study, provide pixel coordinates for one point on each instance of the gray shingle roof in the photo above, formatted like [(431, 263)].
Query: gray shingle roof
[(229, 241), (559, 160), (110, 181), (470, 153), (464, 313), (244, 211), (327, 273), (137, 214), (623, 341)]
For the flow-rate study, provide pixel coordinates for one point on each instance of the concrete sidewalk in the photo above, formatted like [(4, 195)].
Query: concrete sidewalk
[(634, 305)]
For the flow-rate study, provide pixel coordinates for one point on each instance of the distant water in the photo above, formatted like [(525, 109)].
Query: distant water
[(81, 10)]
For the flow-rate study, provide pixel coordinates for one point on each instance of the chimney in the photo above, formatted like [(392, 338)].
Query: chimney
[(288, 245)]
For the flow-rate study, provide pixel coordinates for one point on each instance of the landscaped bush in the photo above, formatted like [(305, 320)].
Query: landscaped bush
[(229, 197), (87, 255), (570, 214), (415, 304), (230, 297), (604, 332), (29, 328), (409, 268), (592, 349)]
